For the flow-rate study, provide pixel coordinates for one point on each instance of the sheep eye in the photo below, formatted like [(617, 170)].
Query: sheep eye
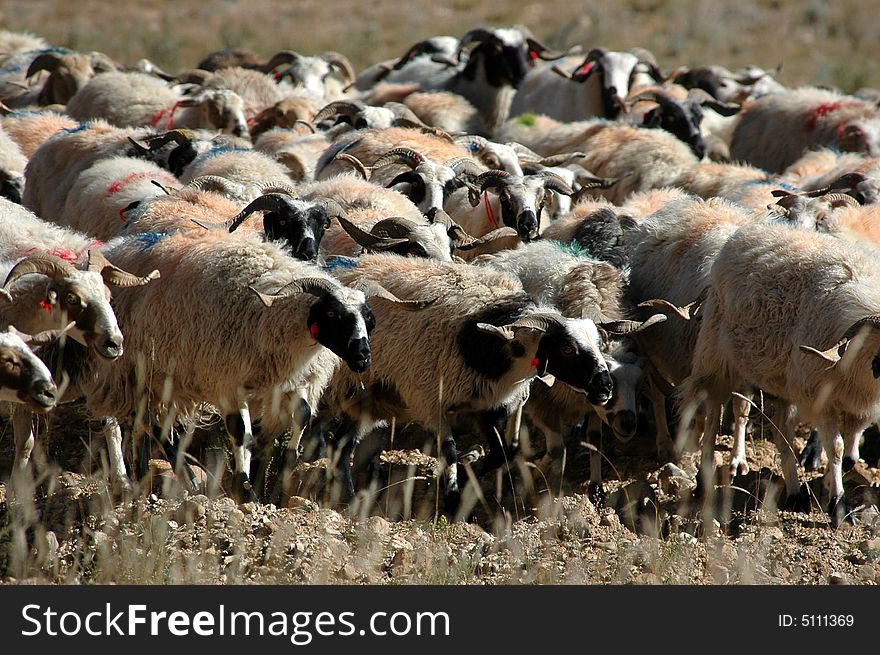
[(72, 299), (331, 314), (568, 350), (282, 223), (327, 224)]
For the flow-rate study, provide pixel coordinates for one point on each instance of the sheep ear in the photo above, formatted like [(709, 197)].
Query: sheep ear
[(548, 379), (833, 355)]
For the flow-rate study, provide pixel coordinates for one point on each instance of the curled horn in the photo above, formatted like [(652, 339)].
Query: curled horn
[(541, 321), (491, 179), (478, 34), (347, 108), (686, 312), (621, 328), (660, 96), (282, 57), (500, 233), (400, 155), (113, 275), (706, 99), (836, 352), (341, 63), (178, 136), (370, 240), (317, 286), (267, 202), (373, 289), (284, 189), (542, 51), (45, 337), (213, 183), (356, 163), (554, 182), (47, 61), (465, 166), (560, 159), (38, 262), (847, 180)]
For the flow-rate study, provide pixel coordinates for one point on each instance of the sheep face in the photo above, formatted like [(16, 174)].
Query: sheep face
[(11, 186), (503, 58), (85, 300), (301, 228), (621, 411), (521, 206), (570, 351), (682, 119), (23, 377), (344, 328)]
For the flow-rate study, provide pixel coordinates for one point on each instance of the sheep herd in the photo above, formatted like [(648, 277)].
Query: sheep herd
[(480, 233)]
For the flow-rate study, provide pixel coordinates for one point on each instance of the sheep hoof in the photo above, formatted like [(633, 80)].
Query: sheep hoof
[(840, 512), (243, 490), (596, 494), (848, 464), (738, 467), (811, 456), (799, 502)]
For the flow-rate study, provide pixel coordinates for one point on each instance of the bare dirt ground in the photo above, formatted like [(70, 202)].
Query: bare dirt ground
[(76, 531)]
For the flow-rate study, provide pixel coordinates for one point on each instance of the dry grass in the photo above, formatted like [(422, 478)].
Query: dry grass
[(818, 41)]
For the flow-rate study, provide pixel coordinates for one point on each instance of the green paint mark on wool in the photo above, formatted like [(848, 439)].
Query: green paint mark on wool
[(572, 248), (528, 119)]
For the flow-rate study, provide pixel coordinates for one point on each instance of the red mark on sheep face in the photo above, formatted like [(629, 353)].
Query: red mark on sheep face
[(313, 330)]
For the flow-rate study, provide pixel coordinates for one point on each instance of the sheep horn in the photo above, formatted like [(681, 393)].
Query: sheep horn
[(560, 159), (179, 136), (341, 62), (355, 162), (465, 166), (317, 286), (42, 263), (840, 199), (47, 61), (45, 337), (347, 108), (542, 51), (113, 275), (375, 290), (400, 155), (554, 182), (630, 327), (282, 57), (284, 189), (491, 179), (369, 240), (500, 233), (479, 34), (213, 183), (684, 312), (263, 203)]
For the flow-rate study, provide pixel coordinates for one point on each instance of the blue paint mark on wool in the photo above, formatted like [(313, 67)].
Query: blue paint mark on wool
[(777, 183), (572, 248), (147, 240), (340, 263), (79, 128), (219, 150)]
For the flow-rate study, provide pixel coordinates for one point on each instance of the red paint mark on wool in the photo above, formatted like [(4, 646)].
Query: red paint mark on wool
[(159, 115), (313, 330), (45, 305), (61, 253), (536, 362), (821, 111), (137, 176), (489, 213)]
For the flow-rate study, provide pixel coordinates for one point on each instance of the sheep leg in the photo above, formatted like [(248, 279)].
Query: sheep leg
[(23, 431), (797, 496), (665, 445), (833, 480), (738, 463), (492, 425), (811, 455), (706, 473), (852, 434), (113, 435), (241, 434), (349, 435), (595, 489), (302, 415)]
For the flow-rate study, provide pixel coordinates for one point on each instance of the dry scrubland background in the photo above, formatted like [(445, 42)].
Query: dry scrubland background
[(818, 41)]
